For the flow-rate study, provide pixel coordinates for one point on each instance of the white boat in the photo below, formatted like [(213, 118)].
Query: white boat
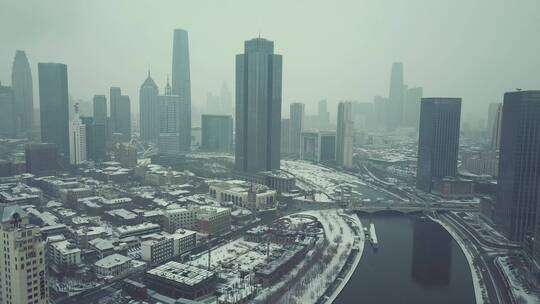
[(373, 237)]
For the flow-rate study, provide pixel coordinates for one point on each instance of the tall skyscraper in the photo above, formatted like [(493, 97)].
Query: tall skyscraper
[(217, 132), (438, 140), (7, 112), (77, 141), (323, 115), (411, 107), (115, 94), (96, 138), (21, 282), (172, 116), (100, 109), (149, 110), (21, 82), (396, 96), (344, 135), (54, 105), (120, 113), (519, 165), (297, 126), (258, 107), (181, 83)]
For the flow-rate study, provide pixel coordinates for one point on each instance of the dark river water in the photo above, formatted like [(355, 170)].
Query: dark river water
[(417, 262)]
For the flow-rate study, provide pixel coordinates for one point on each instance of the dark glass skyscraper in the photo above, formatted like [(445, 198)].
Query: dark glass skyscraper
[(438, 141), (519, 165), (54, 105), (21, 82), (100, 109), (396, 96), (120, 113), (181, 83), (258, 107)]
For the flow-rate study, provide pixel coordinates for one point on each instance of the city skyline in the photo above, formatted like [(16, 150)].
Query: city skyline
[(365, 74)]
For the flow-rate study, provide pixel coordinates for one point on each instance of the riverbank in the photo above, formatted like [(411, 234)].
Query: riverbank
[(479, 287)]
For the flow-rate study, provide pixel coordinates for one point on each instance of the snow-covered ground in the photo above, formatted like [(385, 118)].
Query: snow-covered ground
[(521, 294), (340, 239), (327, 182), (479, 286)]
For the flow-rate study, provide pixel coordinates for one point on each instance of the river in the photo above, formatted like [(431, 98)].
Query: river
[(417, 262)]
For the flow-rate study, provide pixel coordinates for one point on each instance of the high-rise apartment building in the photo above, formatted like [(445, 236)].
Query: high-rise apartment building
[(149, 110), (21, 82), (22, 259), (258, 107), (438, 140), (181, 83), (54, 105), (345, 135)]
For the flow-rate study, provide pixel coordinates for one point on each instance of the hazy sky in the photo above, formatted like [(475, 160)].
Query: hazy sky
[(474, 49)]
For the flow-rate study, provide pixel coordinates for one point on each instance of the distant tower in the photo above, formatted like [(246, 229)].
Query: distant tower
[(120, 113), (172, 116), (226, 99), (7, 112), (100, 109), (258, 107), (77, 139), (519, 166), (149, 110), (21, 81), (54, 105), (344, 135), (181, 83), (496, 128), (411, 107), (438, 140), (297, 126), (396, 96)]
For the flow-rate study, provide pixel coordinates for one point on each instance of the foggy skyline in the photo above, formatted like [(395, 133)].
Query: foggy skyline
[(331, 50)]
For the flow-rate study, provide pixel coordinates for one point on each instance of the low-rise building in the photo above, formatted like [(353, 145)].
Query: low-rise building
[(136, 230), (63, 253), (243, 194), (179, 280), (114, 265), (213, 220)]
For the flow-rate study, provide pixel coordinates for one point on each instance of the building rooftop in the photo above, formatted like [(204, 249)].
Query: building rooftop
[(181, 273), (112, 261), (65, 247)]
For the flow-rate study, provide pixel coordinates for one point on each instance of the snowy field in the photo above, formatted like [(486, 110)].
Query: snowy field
[(326, 181)]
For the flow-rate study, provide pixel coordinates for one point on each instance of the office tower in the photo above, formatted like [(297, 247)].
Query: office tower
[(496, 129), (96, 138), (379, 110), (285, 136), (411, 107), (7, 112), (297, 126), (22, 259), (54, 105), (217, 133), (100, 109), (323, 115), (149, 110), (21, 82), (318, 146), (173, 113), (492, 114), (344, 135), (226, 99), (395, 96), (115, 94), (519, 164), (41, 158), (258, 107), (181, 84), (438, 140)]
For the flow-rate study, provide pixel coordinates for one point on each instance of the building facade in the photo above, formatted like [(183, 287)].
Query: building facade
[(41, 158), (54, 105), (438, 140), (344, 135), (21, 82), (217, 133), (77, 141), (258, 107)]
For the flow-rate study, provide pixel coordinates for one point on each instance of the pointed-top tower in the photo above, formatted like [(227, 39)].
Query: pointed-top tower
[(149, 114), (168, 89)]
